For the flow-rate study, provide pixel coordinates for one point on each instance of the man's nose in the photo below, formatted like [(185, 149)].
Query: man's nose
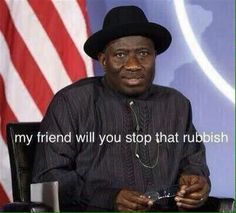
[(132, 64)]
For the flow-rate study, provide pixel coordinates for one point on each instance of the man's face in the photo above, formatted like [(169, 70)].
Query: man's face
[(129, 64)]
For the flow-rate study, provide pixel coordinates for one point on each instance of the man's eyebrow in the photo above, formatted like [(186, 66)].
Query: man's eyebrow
[(128, 49), (143, 48), (120, 49)]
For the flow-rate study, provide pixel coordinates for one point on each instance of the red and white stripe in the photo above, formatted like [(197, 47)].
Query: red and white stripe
[(41, 45)]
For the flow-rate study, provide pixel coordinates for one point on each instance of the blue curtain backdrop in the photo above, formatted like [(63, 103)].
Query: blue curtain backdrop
[(213, 25)]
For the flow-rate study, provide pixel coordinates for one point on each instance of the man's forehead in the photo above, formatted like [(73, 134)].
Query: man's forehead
[(131, 42)]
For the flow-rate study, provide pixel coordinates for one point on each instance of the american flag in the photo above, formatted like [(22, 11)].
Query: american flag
[(41, 51)]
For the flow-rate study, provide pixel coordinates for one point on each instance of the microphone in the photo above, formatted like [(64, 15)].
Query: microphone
[(131, 105)]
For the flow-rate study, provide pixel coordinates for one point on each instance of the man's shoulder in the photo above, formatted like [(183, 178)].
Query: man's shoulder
[(78, 92), (89, 82), (168, 93), (85, 85)]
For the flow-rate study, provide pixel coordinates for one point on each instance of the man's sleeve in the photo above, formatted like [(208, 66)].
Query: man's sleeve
[(194, 154), (54, 161)]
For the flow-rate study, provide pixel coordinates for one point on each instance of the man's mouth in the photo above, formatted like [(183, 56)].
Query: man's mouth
[(132, 80)]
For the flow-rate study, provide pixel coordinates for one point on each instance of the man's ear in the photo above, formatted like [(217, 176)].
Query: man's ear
[(102, 60)]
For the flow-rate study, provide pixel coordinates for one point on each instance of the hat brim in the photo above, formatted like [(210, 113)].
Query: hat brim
[(157, 33)]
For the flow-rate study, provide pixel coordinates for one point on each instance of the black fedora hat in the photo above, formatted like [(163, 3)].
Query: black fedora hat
[(127, 21)]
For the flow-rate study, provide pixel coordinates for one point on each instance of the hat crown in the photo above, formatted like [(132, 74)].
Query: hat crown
[(124, 15), (127, 21)]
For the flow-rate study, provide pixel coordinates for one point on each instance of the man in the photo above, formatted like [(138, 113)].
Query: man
[(101, 174)]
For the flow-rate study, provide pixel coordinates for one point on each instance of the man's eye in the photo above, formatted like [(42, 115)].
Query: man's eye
[(143, 53), (120, 55)]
